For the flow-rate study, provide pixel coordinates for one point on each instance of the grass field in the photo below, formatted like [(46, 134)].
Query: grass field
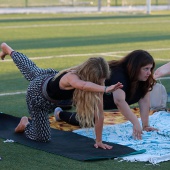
[(63, 40)]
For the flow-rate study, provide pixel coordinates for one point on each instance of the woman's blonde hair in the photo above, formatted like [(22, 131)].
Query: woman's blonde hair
[(86, 102)]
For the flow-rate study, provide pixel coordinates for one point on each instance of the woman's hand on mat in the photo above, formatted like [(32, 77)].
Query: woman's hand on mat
[(102, 145), (137, 132), (149, 128)]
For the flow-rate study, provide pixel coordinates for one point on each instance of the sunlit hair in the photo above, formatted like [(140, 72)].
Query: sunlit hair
[(92, 70), (133, 63)]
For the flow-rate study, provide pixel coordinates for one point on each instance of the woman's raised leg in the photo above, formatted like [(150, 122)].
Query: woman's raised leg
[(27, 67)]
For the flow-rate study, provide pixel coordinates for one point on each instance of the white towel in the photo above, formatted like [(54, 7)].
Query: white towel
[(157, 144)]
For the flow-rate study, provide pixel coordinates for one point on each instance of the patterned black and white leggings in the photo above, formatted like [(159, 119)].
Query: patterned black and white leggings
[(38, 106)]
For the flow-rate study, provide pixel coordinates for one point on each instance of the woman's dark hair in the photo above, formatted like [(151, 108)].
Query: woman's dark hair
[(133, 63)]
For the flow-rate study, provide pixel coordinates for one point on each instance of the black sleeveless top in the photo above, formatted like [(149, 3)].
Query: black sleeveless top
[(54, 91), (120, 75)]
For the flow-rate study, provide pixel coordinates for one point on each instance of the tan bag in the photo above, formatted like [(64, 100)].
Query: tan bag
[(158, 97)]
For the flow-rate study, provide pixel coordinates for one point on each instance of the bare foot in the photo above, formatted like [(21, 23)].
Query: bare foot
[(22, 125), (6, 50)]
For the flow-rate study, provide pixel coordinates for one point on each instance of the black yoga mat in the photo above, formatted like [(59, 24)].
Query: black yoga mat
[(67, 144)]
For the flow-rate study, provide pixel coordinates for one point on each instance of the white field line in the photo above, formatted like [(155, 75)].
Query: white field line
[(115, 54), (13, 93), (84, 24)]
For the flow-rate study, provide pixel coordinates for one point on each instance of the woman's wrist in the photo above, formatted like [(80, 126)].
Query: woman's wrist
[(105, 87), (98, 141), (105, 91), (145, 125)]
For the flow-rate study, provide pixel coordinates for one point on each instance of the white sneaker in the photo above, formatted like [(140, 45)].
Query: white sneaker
[(56, 113)]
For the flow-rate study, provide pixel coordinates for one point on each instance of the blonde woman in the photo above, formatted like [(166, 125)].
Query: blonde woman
[(84, 83)]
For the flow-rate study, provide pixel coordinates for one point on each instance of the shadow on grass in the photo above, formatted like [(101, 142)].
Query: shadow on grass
[(82, 18), (86, 41)]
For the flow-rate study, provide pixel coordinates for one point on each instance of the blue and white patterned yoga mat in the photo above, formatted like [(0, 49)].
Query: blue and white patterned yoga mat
[(157, 144)]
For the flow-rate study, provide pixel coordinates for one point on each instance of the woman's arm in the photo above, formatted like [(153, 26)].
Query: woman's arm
[(119, 99), (162, 71), (99, 119), (71, 80), (144, 106)]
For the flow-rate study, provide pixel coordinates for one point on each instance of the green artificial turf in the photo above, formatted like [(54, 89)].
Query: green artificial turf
[(63, 40)]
